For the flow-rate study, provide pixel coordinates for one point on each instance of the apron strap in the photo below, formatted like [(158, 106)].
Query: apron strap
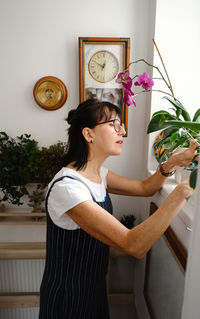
[(60, 179)]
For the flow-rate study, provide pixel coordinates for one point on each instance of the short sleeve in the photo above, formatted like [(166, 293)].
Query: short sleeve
[(65, 195)]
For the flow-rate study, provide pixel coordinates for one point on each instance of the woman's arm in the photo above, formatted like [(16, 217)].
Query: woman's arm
[(132, 187), (136, 242)]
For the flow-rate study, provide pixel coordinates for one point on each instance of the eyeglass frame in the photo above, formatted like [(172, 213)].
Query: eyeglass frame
[(121, 124)]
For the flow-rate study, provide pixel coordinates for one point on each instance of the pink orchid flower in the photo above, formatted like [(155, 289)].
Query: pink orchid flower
[(127, 85), (128, 97), (124, 79), (145, 81)]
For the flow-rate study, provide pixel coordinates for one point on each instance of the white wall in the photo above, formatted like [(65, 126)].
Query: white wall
[(40, 38), (177, 36), (191, 308)]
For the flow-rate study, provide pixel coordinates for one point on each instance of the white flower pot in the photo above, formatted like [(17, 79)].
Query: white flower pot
[(181, 174)]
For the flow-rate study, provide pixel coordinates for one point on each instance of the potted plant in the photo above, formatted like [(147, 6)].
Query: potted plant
[(128, 221), (177, 127), (22, 162), (18, 161), (51, 160)]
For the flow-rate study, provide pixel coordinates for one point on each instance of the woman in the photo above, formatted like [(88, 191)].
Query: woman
[(80, 225)]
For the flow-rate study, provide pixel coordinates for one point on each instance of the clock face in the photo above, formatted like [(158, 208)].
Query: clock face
[(50, 93), (103, 66)]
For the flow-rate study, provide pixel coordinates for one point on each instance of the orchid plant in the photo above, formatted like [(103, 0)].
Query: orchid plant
[(177, 127)]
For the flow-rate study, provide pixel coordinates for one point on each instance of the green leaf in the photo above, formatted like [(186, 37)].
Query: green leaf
[(195, 157), (178, 113), (173, 137), (162, 112), (196, 117), (154, 124), (180, 142), (167, 146), (162, 120), (186, 124), (193, 178), (179, 106)]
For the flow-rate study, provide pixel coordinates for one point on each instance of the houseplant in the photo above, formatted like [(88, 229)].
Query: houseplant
[(128, 221), (50, 162), (18, 161), (176, 124), (22, 162)]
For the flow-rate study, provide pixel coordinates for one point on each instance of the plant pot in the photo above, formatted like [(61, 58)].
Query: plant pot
[(36, 198), (181, 174)]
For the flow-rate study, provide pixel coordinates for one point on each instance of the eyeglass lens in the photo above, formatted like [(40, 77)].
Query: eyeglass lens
[(118, 126)]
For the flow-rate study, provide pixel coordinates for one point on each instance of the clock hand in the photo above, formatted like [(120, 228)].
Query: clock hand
[(101, 65)]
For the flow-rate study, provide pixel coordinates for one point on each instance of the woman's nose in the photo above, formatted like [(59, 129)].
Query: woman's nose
[(122, 131)]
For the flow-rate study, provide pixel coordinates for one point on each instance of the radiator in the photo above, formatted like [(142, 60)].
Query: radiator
[(20, 277), (19, 313)]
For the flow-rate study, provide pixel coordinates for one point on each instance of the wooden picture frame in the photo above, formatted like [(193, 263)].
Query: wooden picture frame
[(100, 61)]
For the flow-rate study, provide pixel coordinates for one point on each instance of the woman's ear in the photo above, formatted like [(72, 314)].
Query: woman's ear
[(88, 134)]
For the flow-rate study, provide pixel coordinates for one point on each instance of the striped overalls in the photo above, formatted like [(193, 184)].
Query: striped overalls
[(74, 283)]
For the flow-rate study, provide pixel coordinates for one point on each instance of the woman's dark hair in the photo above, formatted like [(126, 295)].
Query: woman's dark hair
[(87, 114)]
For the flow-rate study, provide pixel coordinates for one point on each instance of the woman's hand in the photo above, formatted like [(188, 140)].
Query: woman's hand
[(185, 188), (183, 158)]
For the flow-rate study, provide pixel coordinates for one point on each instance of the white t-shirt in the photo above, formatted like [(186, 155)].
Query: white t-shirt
[(68, 193)]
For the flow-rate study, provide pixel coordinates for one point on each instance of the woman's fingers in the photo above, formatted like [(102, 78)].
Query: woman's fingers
[(193, 144)]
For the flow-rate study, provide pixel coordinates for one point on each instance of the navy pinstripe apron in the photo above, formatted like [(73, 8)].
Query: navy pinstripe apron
[(74, 280)]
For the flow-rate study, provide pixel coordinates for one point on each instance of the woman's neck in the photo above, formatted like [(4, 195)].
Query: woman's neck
[(91, 170)]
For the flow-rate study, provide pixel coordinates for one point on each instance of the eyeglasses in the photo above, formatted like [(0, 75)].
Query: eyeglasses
[(118, 126)]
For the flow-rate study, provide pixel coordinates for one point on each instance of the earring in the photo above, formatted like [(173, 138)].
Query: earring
[(91, 141)]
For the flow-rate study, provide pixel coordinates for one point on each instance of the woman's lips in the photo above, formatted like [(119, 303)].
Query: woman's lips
[(120, 142)]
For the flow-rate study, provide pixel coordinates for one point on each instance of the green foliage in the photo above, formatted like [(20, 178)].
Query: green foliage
[(180, 109), (193, 178), (176, 132), (50, 162), (22, 162), (196, 117), (176, 126), (128, 221), (18, 161)]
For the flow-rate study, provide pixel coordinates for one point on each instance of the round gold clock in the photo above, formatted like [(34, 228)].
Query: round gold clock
[(50, 93), (103, 66)]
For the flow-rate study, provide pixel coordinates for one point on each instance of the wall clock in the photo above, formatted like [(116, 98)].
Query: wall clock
[(50, 93), (103, 66), (100, 61)]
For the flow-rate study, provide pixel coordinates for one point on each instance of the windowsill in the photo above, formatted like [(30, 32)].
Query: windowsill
[(182, 223)]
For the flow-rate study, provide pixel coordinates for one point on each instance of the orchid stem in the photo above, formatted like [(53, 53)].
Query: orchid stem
[(153, 91), (153, 66), (171, 89)]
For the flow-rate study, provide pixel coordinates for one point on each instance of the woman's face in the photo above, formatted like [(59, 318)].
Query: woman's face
[(108, 136)]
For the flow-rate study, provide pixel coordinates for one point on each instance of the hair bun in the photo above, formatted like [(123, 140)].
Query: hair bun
[(71, 116)]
